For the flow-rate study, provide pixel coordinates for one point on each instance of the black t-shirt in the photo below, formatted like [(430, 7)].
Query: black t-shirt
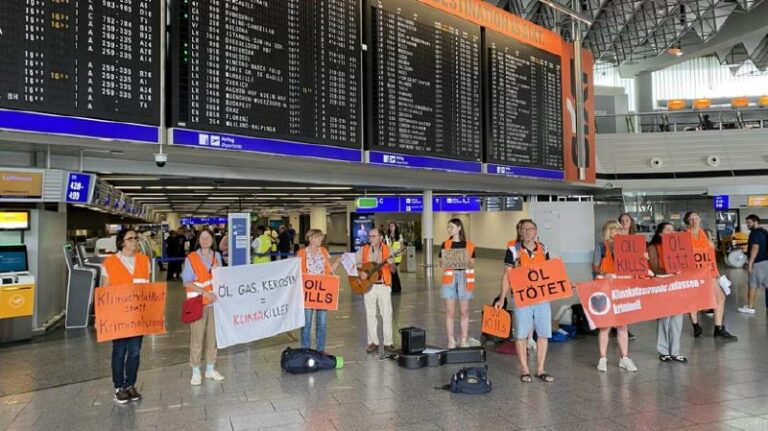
[(455, 244), (758, 237)]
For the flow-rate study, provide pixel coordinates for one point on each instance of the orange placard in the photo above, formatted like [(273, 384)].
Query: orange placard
[(496, 322), (321, 292), (675, 104), (630, 255), (533, 284), (702, 103), (705, 258), (739, 102), (677, 249), (619, 302), (129, 310)]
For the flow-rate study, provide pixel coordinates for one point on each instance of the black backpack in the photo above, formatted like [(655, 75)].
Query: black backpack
[(298, 361), (579, 320), (470, 380)]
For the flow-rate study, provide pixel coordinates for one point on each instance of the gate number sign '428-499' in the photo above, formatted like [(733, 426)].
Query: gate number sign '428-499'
[(78, 188)]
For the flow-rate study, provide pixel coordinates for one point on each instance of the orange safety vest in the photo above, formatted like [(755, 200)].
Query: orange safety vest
[(469, 272), (326, 260), (511, 243), (203, 276), (607, 264), (539, 255), (118, 274), (701, 242), (386, 272), (660, 254)]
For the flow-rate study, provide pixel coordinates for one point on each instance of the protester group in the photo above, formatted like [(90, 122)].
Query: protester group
[(533, 323)]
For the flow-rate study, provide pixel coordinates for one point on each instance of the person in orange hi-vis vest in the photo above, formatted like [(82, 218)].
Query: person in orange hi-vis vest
[(692, 221), (458, 284), (525, 252), (381, 293), (125, 268), (315, 260), (197, 278)]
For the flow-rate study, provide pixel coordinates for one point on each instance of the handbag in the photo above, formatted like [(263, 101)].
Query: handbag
[(192, 309)]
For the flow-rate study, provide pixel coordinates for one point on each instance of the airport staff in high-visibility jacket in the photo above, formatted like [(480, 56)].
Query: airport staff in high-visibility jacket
[(261, 245)]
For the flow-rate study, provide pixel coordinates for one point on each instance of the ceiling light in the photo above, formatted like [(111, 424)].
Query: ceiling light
[(676, 51), (128, 187), (131, 178), (241, 188), (330, 188)]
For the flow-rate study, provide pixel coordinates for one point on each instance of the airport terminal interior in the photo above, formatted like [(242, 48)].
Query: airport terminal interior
[(383, 215)]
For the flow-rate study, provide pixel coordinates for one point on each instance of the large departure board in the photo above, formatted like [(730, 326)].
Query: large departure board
[(82, 58), (282, 69), (525, 104), (426, 87)]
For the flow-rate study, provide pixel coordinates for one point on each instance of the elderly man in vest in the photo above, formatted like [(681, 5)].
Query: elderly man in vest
[(381, 292)]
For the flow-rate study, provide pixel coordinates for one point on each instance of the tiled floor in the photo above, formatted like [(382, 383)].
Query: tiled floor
[(62, 381)]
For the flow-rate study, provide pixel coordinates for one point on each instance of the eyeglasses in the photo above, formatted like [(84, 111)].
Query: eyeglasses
[(133, 238)]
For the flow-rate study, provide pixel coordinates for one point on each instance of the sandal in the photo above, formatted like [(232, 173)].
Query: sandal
[(525, 378), (680, 358), (546, 378), (665, 358)]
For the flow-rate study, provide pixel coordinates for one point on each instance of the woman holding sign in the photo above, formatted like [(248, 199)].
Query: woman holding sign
[(315, 260), (669, 328), (603, 266), (458, 280), (701, 241), (197, 278), (126, 267), (527, 252)]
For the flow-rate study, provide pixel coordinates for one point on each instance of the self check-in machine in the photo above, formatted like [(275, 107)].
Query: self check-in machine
[(80, 284), (17, 294)]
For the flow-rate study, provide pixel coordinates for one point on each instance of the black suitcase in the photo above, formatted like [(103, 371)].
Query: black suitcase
[(466, 355), (435, 359), (413, 340), (411, 361)]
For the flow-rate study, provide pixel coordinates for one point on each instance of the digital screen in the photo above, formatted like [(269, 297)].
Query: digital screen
[(78, 188), (82, 58), (286, 69), (721, 202), (14, 220), (425, 79), (13, 259), (525, 104)]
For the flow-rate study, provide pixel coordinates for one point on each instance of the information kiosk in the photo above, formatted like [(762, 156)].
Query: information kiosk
[(80, 284), (17, 294)]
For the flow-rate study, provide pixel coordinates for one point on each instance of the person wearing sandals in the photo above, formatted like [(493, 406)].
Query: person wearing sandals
[(458, 284), (197, 279), (669, 328), (315, 260), (603, 266), (537, 317)]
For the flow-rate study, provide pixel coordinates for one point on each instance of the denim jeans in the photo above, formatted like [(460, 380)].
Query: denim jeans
[(306, 331), (125, 361)]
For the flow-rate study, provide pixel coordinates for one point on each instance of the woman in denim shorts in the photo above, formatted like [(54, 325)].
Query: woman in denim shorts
[(458, 281)]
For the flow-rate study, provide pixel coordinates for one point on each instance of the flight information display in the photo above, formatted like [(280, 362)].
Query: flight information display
[(89, 59), (525, 104), (286, 69), (426, 86)]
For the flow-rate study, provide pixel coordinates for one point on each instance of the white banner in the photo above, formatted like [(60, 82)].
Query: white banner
[(257, 301)]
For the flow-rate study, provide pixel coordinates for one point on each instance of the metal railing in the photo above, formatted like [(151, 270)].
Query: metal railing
[(683, 121)]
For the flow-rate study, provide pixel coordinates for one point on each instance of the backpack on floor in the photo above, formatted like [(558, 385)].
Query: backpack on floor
[(470, 380), (298, 361), (579, 320)]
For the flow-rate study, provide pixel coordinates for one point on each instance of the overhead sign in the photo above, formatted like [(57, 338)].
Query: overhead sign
[(415, 204), (721, 202), (203, 220), (78, 188), (21, 185), (757, 201)]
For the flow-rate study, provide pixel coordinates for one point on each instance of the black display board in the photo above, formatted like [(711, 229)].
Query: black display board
[(425, 82), (82, 58), (286, 69), (525, 117)]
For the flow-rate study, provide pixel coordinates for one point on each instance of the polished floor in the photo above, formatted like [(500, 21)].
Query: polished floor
[(62, 381)]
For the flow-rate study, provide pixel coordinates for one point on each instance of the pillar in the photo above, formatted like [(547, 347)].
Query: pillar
[(318, 218), (644, 92), (427, 239), (173, 220)]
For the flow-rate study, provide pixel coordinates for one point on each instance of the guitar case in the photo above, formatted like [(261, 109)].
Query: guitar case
[(465, 355), (420, 360)]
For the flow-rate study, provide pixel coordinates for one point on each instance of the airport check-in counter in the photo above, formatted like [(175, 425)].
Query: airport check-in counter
[(80, 284), (17, 294)]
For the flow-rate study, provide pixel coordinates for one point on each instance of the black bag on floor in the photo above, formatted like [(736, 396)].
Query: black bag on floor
[(465, 355), (579, 320), (298, 361), (470, 380)]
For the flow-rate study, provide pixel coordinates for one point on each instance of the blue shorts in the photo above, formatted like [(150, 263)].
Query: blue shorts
[(457, 289), (538, 317)]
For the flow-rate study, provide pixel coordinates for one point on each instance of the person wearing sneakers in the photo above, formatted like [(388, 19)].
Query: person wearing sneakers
[(669, 328), (381, 293), (537, 317), (197, 278), (692, 222), (603, 266), (458, 283), (125, 268), (315, 260), (757, 266)]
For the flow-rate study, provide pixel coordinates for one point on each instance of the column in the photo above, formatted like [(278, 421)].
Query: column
[(426, 232), (318, 218), (643, 97), (173, 220)]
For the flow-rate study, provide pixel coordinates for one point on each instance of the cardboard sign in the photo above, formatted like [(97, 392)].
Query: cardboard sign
[(455, 258), (619, 302), (321, 292), (705, 258), (538, 283), (677, 248), (496, 322), (630, 255), (129, 310)]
